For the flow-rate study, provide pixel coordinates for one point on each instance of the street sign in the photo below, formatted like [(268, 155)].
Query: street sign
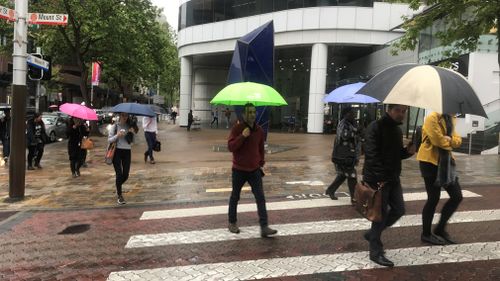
[(7, 14), (38, 62), (48, 19)]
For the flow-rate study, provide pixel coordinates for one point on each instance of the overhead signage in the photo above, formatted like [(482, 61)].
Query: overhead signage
[(7, 14), (48, 19), (37, 62)]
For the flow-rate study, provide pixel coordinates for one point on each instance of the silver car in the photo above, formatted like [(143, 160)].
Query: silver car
[(55, 126)]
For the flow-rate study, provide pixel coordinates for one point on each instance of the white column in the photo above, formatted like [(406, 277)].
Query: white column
[(317, 86), (185, 90)]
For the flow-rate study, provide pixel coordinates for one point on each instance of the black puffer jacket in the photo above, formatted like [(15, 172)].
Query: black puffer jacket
[(383, 151)]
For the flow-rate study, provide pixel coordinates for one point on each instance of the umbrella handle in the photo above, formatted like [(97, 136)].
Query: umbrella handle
[(415, 127)]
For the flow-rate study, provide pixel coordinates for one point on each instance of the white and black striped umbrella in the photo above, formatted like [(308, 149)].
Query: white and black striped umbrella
[(425, 86)]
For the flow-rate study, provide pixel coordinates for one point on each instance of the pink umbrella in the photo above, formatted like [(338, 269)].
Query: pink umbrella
[(78, 111)]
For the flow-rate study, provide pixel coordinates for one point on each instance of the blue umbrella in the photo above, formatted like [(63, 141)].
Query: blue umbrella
[(346, 94), (134, 108)]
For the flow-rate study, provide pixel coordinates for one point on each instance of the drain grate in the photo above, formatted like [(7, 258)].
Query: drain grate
[(75, 229)]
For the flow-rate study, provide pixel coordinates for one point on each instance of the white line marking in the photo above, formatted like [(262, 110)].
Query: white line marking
[(302, 265), (273, 206), (311, 183), (331, 226)]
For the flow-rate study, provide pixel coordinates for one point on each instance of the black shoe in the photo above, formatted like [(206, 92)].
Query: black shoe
[(432, 239), (38, 166), (145, 158), (445, 237), (367, 236), (30, 168), (233, 228), (332, 195), (77, 173), (382, 260), (74, 175), (266, 231), (120, 200)]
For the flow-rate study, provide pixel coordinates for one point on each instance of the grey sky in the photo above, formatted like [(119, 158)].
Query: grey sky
[(170, 10)]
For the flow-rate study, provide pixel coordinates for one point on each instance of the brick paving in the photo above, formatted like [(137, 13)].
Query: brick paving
[(35, 248)]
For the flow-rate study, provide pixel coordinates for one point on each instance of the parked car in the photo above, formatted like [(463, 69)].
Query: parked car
[(55, 126)]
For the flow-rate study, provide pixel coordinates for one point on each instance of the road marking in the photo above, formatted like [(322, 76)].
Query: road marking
[(273, 206), (303, 265), (229, 189), (315, 227), (311, 183)]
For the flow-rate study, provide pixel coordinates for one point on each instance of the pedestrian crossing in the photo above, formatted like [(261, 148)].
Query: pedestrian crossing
[(285, 264)]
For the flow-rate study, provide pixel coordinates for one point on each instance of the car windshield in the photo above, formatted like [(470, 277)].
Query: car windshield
[(49, 120)]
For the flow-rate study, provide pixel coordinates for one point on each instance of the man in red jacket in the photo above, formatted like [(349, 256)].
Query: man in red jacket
[(246, 142)]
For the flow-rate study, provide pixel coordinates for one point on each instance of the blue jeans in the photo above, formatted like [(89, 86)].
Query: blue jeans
[(151, 140), (253, 178)]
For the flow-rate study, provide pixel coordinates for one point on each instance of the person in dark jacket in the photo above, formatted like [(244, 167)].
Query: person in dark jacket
[(36, 137), (345, 153), (5, 134), (75, 133), (246, 142), (383, 154), (190, 120)]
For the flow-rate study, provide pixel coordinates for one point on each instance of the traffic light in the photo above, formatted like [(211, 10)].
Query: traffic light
[(47, 75), (33, 72)]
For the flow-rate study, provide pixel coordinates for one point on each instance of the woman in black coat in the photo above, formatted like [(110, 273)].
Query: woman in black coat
[(75, 133)]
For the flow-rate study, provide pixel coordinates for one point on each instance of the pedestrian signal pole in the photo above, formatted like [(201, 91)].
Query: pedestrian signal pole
[(17, 167)]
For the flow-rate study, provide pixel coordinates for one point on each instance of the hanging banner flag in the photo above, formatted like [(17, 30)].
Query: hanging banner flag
[(96, 73), (7, 14)]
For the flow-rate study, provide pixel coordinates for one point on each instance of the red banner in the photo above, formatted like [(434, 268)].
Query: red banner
[(96, 73)]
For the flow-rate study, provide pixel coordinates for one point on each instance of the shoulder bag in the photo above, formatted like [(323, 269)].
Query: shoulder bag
[(368, 201), (87, 143)]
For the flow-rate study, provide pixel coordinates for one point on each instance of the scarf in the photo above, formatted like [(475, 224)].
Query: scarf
[(446, 165)]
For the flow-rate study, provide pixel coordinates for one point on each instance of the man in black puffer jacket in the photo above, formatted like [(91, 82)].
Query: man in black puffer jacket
[(383, 154)]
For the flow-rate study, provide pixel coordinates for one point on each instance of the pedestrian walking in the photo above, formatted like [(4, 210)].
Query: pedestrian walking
[(5, 123), (437, 167), (227, 114), (123, 134), (215, 118), (173, 115), (85, 131), (383, 154), (35, 139), (345, 155), (75, 133), (246, 142), (150, 127), (190, 120)]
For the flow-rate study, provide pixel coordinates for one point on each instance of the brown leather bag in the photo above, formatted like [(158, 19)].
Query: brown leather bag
[(368, 201)]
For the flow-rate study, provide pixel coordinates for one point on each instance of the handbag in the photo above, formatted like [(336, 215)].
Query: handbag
[(368, 201), (110, 153), (157, 146), (87, 143)]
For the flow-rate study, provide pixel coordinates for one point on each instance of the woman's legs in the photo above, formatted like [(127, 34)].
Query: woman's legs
[(455, 193)]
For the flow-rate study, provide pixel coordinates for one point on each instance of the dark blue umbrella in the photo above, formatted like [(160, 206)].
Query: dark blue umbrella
[(134, 108), (346, 94)]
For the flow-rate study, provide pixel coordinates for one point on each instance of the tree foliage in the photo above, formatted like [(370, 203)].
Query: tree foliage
[(464, 22), (122, 35)]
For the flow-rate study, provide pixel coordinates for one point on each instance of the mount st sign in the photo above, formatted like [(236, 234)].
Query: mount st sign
[(48, 19)]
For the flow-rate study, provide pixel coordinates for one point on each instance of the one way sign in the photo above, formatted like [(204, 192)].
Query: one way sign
[(49, 19)]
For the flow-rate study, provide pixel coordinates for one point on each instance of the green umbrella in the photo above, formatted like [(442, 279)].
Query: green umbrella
[(248, 92)]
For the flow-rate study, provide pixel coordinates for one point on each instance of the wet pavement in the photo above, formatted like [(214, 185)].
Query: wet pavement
[(174, 224)]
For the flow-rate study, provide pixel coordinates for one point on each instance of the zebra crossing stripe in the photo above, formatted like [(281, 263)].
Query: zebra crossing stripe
[(273, 206), (303, 265), (316, 227)]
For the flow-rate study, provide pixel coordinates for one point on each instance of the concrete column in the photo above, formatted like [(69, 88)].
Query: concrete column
[(317, 86), (185, 90)]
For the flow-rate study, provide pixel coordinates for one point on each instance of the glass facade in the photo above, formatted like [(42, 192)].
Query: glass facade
[(197, 12)]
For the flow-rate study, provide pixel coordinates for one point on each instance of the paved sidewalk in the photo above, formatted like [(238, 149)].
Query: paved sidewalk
[(189, 168)]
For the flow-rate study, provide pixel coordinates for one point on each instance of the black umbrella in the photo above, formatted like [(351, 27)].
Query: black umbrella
[(425, 86)]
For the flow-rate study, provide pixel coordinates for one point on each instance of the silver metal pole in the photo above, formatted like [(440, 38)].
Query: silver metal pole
[(470, 141)]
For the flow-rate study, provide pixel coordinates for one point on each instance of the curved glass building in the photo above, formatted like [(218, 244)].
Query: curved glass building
[(319, 45)]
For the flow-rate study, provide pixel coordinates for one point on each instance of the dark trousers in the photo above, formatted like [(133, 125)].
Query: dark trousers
[(83, 156), (151, 140), (35, 153), (351, 183), (6, 147), (216, 121), (75, 160), (429, 171), (189, 125), (393, 208), (121, 163), (255, 180)]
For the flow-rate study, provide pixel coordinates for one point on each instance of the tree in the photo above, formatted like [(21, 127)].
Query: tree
[(464, 21)]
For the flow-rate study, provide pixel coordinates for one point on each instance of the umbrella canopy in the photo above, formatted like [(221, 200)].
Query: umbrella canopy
[(248, 92), (134, 108), (78, 111), (346, 94), (157, 109), (425, 86)]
